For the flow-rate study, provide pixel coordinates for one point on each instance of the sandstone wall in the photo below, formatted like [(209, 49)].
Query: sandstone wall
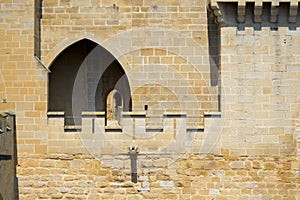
[(24, 82), (164, 49), (64, 176), (260, 80), (160, 44), (157, 43)]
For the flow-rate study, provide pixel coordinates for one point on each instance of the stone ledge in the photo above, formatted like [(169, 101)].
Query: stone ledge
[(54, 114), (137, 114), (212, 114), (174, 114), (71, 128), (91, 114)]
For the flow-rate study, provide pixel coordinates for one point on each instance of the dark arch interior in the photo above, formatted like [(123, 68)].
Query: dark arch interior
[(109, 82), (118, 99), (81, 78)]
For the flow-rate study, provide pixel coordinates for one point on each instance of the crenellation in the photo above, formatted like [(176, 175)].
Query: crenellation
[(169, 51)]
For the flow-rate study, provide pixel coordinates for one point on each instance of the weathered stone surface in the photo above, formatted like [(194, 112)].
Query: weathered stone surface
[(237, 165), (177, 60), (166, 184), (234, 179)]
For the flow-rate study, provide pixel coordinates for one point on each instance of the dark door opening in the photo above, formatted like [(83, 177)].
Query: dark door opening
[(114, 106)]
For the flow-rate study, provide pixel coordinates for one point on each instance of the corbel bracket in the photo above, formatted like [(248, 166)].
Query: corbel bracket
[(241, 12), (293, 13), (257, 12), (216, 13), (274, 13)]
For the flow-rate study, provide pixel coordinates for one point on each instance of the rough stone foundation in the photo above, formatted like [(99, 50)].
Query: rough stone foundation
[(62, 176)]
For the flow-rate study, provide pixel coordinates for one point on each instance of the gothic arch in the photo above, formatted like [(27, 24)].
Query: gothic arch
[(65, 43), (81, 77)]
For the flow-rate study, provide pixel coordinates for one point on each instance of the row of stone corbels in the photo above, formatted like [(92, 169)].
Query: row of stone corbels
[(241, 11)]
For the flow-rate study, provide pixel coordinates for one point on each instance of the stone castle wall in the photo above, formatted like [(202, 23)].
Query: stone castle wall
[(65, 176), (176, 59), (162, 47), (263, 69)]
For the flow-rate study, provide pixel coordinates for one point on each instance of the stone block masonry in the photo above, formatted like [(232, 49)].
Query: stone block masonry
[(80, 176), (260, 65), (177, 60)]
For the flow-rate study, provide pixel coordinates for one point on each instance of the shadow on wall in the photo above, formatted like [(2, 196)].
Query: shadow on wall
[(214, 49), (214, 53), (8, 158)]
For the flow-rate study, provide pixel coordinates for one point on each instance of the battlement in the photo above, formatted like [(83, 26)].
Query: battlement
[(173, 135)]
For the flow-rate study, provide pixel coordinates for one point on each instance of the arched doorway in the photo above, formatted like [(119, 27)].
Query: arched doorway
[(114, 106), (81, 77)]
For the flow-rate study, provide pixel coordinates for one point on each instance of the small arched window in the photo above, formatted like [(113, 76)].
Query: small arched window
[(114, 106)]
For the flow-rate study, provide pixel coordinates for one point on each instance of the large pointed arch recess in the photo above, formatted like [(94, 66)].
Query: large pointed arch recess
[(89, 71)]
